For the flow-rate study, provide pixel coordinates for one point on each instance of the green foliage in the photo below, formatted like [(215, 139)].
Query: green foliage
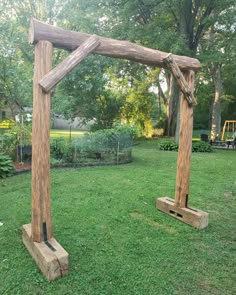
[(54, 161), (8, 143), (7, 123), (127, 129), (18, 135), (139, 106), (168, 145), (6, 168), (108, 107), (62, 149), (90, 91), (201, 146), (89, 99), (22, 133), (107, 140), (57, 148), (15, 57), (94, 144), (197, 146)]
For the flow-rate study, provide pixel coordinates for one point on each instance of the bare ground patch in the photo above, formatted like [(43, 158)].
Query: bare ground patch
[(151, 222)]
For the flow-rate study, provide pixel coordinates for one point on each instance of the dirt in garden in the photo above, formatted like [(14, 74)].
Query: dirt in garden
[(21, 166)]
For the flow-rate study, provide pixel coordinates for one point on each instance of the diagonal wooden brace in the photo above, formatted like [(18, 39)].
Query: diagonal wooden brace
[(175, 70), (51, 79)]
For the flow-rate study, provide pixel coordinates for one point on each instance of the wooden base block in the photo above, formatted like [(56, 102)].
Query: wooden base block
[(50, 257), (191, 216)]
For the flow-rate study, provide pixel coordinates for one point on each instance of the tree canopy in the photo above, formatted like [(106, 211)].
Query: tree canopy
[(109, 90)]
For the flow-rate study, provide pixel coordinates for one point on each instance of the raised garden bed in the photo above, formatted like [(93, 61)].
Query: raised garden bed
[(21, 167), (24, 167)]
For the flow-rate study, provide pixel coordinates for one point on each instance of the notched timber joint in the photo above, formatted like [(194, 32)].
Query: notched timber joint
[(179, 77)]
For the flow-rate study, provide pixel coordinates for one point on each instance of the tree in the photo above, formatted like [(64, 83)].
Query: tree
[(175, 26), (16, 72), (95, 88), (85, 93), (218, 47), (16, 57)]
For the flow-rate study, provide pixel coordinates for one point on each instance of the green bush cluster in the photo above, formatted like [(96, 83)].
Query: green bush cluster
[(201, 147), (197, 146), (107, 140), (62, 150), (168, 145), (6, 168), (7, 143), (12, 138)]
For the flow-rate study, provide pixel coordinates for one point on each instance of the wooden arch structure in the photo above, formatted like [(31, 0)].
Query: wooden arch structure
[(51, 258)]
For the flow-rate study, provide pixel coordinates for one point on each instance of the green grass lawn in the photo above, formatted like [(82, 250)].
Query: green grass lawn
[(105, 217), (54, 133)]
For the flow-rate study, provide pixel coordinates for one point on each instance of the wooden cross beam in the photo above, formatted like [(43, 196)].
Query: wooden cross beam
[(179, 77), (51, 79), (70, 40), (51, 258)]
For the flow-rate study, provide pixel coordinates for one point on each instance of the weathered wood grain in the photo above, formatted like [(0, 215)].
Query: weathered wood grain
[(185, 147), (191, 216), (51, 79), (179, 77), (70, 40), (41, 210), (53, 263)]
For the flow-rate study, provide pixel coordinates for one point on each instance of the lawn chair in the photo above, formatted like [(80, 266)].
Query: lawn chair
[(232, 142)]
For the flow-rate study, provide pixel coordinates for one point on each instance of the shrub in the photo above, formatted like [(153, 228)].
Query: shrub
[(69, 153), (106, 141), (197, 146), (6, 168), (17, 136), (8, 143), (94, 145), (55, 161), (57, 148), (201, 146), (61, 149), (126, 129), (168, 145)]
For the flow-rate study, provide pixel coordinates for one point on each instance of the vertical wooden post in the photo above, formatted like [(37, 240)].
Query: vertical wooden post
[(49, 255), (41, 209), (179, 208), (185, 146)]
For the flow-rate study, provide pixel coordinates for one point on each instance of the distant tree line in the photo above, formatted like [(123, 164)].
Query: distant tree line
[(111, 90)]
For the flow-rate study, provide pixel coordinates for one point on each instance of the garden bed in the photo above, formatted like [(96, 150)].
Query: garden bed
[(21, 167), (24, 167)]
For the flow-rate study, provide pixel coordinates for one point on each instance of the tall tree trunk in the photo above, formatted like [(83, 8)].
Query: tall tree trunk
[(160, 96), (177, 122), (210, 114), (216, 110), (173, 101), (190, 25)]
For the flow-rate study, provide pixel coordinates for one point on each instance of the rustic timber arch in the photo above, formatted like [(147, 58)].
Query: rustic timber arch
[(51, 258)]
